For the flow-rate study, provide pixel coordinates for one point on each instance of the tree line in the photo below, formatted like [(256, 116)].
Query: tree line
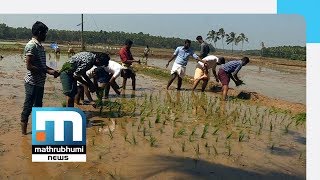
[(141, 39), (95, 37), (231, 38), (287, 52)]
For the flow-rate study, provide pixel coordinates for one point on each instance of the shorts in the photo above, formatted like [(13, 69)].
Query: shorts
[(127, 72), (223, 77), (179, 69), (69, 84), (199, 74)]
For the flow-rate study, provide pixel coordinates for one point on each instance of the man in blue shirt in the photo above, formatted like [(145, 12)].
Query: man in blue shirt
[(230, 70), (181, 55)]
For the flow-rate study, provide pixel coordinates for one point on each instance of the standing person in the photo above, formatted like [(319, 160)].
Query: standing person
[(113, 69), (230, 70), (35, 58), (181, 55), (202, 70), (127, 60), (204, 47), (146, 53), (75, 70)]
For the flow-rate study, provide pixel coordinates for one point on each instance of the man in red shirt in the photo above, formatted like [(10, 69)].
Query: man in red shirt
[(127, 60)]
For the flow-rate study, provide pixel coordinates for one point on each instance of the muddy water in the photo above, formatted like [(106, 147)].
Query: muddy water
[(264, 153), (273, 83)]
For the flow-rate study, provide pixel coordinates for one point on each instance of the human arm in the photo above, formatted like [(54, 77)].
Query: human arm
[(215, 74), (234, 75), (173, 57), (52, 72), (126, 57), (31, 67)]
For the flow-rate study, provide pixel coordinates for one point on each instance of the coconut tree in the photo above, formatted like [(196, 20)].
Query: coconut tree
[(231, 38), (222, 34), (211, 36), (241, 38)]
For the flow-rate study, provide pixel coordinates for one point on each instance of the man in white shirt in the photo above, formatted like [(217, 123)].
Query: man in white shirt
[(202, 70), (113, 69)]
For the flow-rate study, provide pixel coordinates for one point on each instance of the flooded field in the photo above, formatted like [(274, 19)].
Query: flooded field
[(279, 84), (153, 133)]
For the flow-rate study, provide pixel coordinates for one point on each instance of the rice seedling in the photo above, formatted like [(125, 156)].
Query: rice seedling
[(215, 131), (215, 150), (110, 132), (286, 130), (181, 132), (205, 130), (152, 141), (272, 146), (150, 125), (193, 131), (229, 135), (228, 146), (217, 138), (206, 145), (190, 138), (134, 140), (183, 146), (144, 131), (157, 118), (64, 103), (161, 130), (142, 119), (271, 126), (241, 136), (92, 141), (300, 118)]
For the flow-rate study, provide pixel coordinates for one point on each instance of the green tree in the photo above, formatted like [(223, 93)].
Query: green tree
[(222, 34), (213, 36), (242, 38), (231, 38)]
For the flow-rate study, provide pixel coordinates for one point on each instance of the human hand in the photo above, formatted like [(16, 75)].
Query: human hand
[(238, 83), (167, 65), (56, 74)]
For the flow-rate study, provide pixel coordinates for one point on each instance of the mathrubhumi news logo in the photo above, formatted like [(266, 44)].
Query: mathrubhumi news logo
[(58, 135)]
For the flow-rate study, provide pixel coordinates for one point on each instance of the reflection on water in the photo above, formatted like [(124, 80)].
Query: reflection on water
[(270, 82), (273, 83)]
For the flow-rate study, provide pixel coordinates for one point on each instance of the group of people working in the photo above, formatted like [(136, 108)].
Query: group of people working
[(88, 72)]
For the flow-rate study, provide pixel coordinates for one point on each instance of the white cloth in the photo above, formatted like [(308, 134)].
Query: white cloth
[(179, 69), (114, 68), (211, 61)]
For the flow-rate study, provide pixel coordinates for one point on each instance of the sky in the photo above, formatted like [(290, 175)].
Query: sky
[(272, 29)]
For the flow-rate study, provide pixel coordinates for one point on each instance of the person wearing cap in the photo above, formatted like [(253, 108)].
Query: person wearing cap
[(37, 70), (75, 70), (127, 60), (204, 47), (230, 70), (181, 56), (202, 71)]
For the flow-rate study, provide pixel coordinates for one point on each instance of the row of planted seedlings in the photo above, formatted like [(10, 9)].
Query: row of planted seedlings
[(196, 123)]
